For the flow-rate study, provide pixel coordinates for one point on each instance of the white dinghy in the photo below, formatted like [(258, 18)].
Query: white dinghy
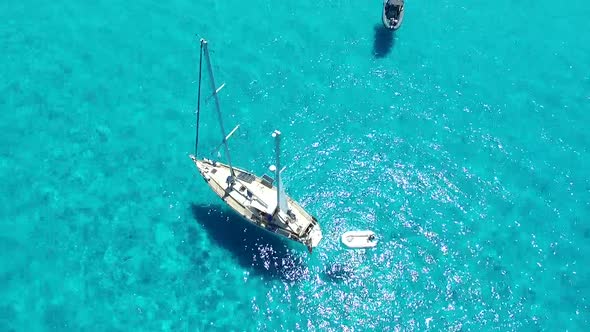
[(359, 239)]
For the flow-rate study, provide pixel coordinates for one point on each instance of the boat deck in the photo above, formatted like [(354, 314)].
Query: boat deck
[(255, 198)]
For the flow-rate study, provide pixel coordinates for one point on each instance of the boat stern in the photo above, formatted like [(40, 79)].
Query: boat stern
[(314, 237)]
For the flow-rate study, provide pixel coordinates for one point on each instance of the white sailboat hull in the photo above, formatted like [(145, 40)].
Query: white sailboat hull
[(255, 199)]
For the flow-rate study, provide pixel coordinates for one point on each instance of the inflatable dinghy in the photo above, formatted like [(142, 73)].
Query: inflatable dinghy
[(393, 13), (359, 239)]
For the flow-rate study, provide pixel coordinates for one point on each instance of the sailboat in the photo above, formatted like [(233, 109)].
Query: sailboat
[(261, 201)]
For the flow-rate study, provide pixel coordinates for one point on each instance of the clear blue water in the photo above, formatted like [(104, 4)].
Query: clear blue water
[(461, 140)]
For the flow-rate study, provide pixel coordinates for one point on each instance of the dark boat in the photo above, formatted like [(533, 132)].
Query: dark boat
[(393, 13)]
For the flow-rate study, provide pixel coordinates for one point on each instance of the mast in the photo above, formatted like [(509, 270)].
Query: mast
[(199, 100), (217, 107), (281, 200)]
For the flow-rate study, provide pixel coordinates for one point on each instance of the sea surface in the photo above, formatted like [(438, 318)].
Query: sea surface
[(461, 139)]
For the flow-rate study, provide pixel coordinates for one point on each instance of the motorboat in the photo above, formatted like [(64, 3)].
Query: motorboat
[(393, 13)]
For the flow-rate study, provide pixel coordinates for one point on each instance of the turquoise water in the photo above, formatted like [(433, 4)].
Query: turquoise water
[(461, 140)]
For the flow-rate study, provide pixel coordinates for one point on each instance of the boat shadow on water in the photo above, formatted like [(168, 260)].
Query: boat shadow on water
[(384, 40), (254, 248)]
